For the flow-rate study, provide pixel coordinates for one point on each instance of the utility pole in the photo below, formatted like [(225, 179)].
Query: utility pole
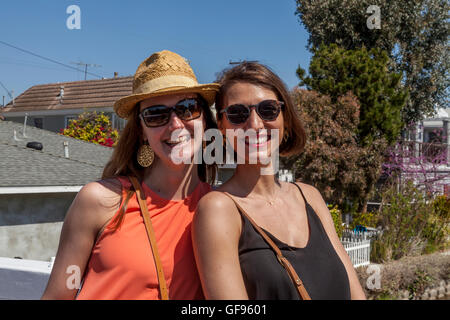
[(86, 65)]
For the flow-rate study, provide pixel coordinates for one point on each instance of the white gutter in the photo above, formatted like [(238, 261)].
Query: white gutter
[(56, 112), (26, 265), (46, 189)]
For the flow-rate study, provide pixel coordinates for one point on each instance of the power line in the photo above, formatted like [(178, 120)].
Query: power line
[(9, 93), (48, 59)]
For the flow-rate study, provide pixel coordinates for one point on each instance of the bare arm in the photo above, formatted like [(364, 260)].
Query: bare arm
[(86, 216), (215, 233), (316, 201)]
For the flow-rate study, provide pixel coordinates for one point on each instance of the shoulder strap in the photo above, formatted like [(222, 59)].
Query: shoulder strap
[(151, 236), (283, 261), (304, 198)]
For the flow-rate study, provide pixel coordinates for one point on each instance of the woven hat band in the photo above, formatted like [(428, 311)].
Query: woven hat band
[(165, 83)]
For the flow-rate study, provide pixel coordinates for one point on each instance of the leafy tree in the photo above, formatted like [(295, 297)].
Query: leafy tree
[(332, 160), (414, 33), (335, 71), (92, 127)]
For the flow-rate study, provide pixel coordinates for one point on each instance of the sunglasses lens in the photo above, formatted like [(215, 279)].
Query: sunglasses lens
[(188, 109), (237, 113), (268, 110), (156, 116)]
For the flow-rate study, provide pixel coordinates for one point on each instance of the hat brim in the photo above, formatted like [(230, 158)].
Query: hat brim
[(124, 106)]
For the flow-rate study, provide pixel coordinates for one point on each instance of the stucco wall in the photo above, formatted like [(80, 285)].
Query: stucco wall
[(30, 224)]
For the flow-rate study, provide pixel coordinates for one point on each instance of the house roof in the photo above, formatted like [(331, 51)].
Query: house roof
[(77, 95), (25, 167)]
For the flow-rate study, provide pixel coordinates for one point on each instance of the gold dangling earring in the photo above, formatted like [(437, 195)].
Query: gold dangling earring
[(286, 136), (145, 155)]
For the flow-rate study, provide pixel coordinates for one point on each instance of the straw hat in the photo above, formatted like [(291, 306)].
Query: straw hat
[(163, 73)]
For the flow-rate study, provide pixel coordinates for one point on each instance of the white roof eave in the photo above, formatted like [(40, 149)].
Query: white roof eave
[(39, 189)]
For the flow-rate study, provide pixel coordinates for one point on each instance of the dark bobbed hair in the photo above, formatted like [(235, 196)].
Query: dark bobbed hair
[(261, 75)]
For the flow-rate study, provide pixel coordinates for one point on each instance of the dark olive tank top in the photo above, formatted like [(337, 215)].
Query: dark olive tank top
[(317, 264)]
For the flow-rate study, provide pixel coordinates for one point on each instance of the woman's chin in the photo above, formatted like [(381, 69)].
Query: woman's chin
[(182, 154), (259, 159)]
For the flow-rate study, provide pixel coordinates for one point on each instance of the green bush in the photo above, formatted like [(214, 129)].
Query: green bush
[(414, 274), (336, 214), (366, 219), (436, 231), (404, 216)]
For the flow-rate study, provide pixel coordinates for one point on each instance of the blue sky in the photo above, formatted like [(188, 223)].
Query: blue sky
[(118, 35)]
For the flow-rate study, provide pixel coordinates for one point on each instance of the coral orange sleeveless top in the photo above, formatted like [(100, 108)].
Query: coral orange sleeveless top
[(121, 265)]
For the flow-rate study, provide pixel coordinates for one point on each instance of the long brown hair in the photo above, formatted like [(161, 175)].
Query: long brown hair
[(261, 75), (124, 158)]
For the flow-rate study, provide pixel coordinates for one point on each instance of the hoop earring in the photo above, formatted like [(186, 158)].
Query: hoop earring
[(145, 155)]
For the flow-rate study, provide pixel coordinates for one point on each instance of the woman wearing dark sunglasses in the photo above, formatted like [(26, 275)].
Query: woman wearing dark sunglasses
[(234, 258), (128, 235)]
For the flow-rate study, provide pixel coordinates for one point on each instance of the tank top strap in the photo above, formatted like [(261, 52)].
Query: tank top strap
[(304, 198)]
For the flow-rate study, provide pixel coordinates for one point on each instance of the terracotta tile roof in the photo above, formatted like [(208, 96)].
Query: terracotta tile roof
[(77, 95)]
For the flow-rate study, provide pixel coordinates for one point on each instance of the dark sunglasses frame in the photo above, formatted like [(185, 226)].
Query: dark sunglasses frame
[(167, 111), (279, 104)]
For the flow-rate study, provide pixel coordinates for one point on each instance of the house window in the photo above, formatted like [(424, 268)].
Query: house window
[(433, 135), (118, 123), (39, 123), (67, 120)]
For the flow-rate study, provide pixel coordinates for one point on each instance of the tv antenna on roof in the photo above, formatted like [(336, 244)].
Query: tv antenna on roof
[(86, 65), (9, 93), (239, 62)]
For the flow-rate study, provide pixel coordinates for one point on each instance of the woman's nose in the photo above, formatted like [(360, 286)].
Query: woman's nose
[(175, 122), (254, 121)]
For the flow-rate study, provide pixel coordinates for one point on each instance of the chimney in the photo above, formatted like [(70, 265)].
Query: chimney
[(66, 149), (116, 75), (12, 93), (61, 94)]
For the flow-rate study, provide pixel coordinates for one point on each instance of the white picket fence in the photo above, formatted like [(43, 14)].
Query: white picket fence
[(358, 250)]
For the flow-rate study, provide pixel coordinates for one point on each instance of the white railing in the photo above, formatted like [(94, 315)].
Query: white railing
[(358, 250)]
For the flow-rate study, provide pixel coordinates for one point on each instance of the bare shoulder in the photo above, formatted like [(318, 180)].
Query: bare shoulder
[(311, 193), (216, 203), (218, 212), (96, 202), (216, 199), (315, 200), (100, 192)]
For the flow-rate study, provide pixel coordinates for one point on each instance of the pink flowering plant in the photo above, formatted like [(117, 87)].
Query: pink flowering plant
[(419, 162)]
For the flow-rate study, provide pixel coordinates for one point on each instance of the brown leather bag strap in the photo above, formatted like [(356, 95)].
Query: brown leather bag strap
[(283, 261), (151, 236)]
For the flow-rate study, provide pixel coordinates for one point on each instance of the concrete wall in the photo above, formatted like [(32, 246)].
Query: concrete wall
[(30, 224)]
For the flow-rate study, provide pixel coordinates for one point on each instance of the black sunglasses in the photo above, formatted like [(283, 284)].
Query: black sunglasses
[(159, 115), (267, 110)]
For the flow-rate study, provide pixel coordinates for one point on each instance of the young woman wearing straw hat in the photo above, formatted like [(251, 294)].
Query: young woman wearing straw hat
[(257, 237), (128, 235)]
